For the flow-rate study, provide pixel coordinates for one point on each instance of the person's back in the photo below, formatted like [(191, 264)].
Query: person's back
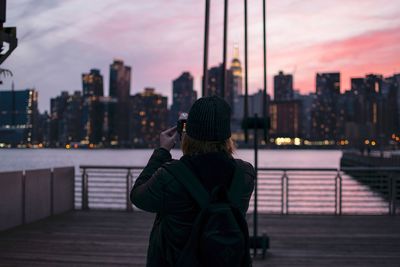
[(207, 150)]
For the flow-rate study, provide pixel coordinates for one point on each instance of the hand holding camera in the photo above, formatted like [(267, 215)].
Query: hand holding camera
[(168, 138)]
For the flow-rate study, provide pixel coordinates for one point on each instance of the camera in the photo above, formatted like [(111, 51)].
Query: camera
[(181, 124)]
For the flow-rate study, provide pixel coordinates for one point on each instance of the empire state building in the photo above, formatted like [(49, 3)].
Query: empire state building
[(236, 69), (237, 88)]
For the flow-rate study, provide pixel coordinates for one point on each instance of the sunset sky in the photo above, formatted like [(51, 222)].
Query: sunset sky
[(59, 40)]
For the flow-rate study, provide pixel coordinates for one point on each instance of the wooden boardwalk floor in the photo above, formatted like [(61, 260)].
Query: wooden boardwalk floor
[(105, 238)]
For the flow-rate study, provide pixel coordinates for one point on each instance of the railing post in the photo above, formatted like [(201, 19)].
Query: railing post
[(338, 193), (392, 188), (128, 190), (395, 179), (285, 193), (85, 190)]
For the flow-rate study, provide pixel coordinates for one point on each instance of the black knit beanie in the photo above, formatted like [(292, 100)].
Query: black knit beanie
[(209, 119)]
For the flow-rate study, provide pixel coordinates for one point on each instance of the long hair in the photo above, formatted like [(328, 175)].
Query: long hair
[(191, 146)]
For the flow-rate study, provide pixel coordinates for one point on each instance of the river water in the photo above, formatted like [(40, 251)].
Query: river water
[(23, 159)]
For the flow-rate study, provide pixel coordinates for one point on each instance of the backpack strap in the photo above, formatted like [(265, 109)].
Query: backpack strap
[(236, 188), (185, 176)]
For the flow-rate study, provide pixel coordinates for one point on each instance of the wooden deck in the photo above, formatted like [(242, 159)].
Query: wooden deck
[(105, 238)]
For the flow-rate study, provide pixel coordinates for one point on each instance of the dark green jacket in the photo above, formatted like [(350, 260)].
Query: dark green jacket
[(155, 190)]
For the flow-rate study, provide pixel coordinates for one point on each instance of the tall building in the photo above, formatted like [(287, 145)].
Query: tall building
[(58, 106), (376, 107), (94, 117), (366, 100), (183, 95), (283, 86), (66, 119), (214, 86), (18, 115), (120, 82), (237, 88), (391, 92), (324, 111), (150, 115), (92, 83), (306, 102), (285, 118), (236, 70), (255, 105)]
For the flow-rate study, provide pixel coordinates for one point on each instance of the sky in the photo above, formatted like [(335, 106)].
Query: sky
[(159, 39)]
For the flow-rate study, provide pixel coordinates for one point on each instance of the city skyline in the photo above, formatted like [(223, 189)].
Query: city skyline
[(65, 44), (327, 116)]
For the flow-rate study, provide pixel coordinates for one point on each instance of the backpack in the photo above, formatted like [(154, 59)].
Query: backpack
[(219, 236)]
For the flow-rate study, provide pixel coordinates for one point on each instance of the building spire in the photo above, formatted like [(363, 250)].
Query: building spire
[(236, 50)]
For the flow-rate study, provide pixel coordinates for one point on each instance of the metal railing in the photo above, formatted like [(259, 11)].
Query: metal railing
[(351, 191)]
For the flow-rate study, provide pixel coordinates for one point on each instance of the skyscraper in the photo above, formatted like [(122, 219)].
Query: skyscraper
[(149, 117), (183, 95), (214, 86), (306, 111), (237, 89), (92, 83), (120, 85), (236, 70), (18, 115), (283, 86), (120, 80), (66, 119), (324, 111), (285, 118)]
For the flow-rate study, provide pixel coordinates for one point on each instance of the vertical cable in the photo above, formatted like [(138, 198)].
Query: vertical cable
[(205, 59), (246, 134), (265, 72), (224, 74)]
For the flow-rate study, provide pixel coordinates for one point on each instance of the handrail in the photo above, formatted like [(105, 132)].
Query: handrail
[(259, 168), (297, 190)]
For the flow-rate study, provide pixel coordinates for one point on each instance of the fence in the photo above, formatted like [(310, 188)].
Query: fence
[(374, 191), (28, 196)]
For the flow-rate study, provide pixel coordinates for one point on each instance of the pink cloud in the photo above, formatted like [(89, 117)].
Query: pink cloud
[(371, 52)]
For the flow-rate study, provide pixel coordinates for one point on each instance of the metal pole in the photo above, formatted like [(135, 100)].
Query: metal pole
[(265, 70), (246, 134), (283, 192), (392, 205), (85, 191), (287, 194), (224, 78), (395, 181), (255, 219), (336, 194), (340, 194), (128, 190), (205, 59)]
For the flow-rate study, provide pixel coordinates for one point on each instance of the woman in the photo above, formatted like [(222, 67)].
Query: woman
[(207, 152)]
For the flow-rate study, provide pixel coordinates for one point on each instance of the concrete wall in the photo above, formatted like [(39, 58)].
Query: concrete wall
[(37, 195), (63, 189), (11, 197)]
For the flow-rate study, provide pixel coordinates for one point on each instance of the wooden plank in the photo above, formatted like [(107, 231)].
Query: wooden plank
[(107, 238)]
